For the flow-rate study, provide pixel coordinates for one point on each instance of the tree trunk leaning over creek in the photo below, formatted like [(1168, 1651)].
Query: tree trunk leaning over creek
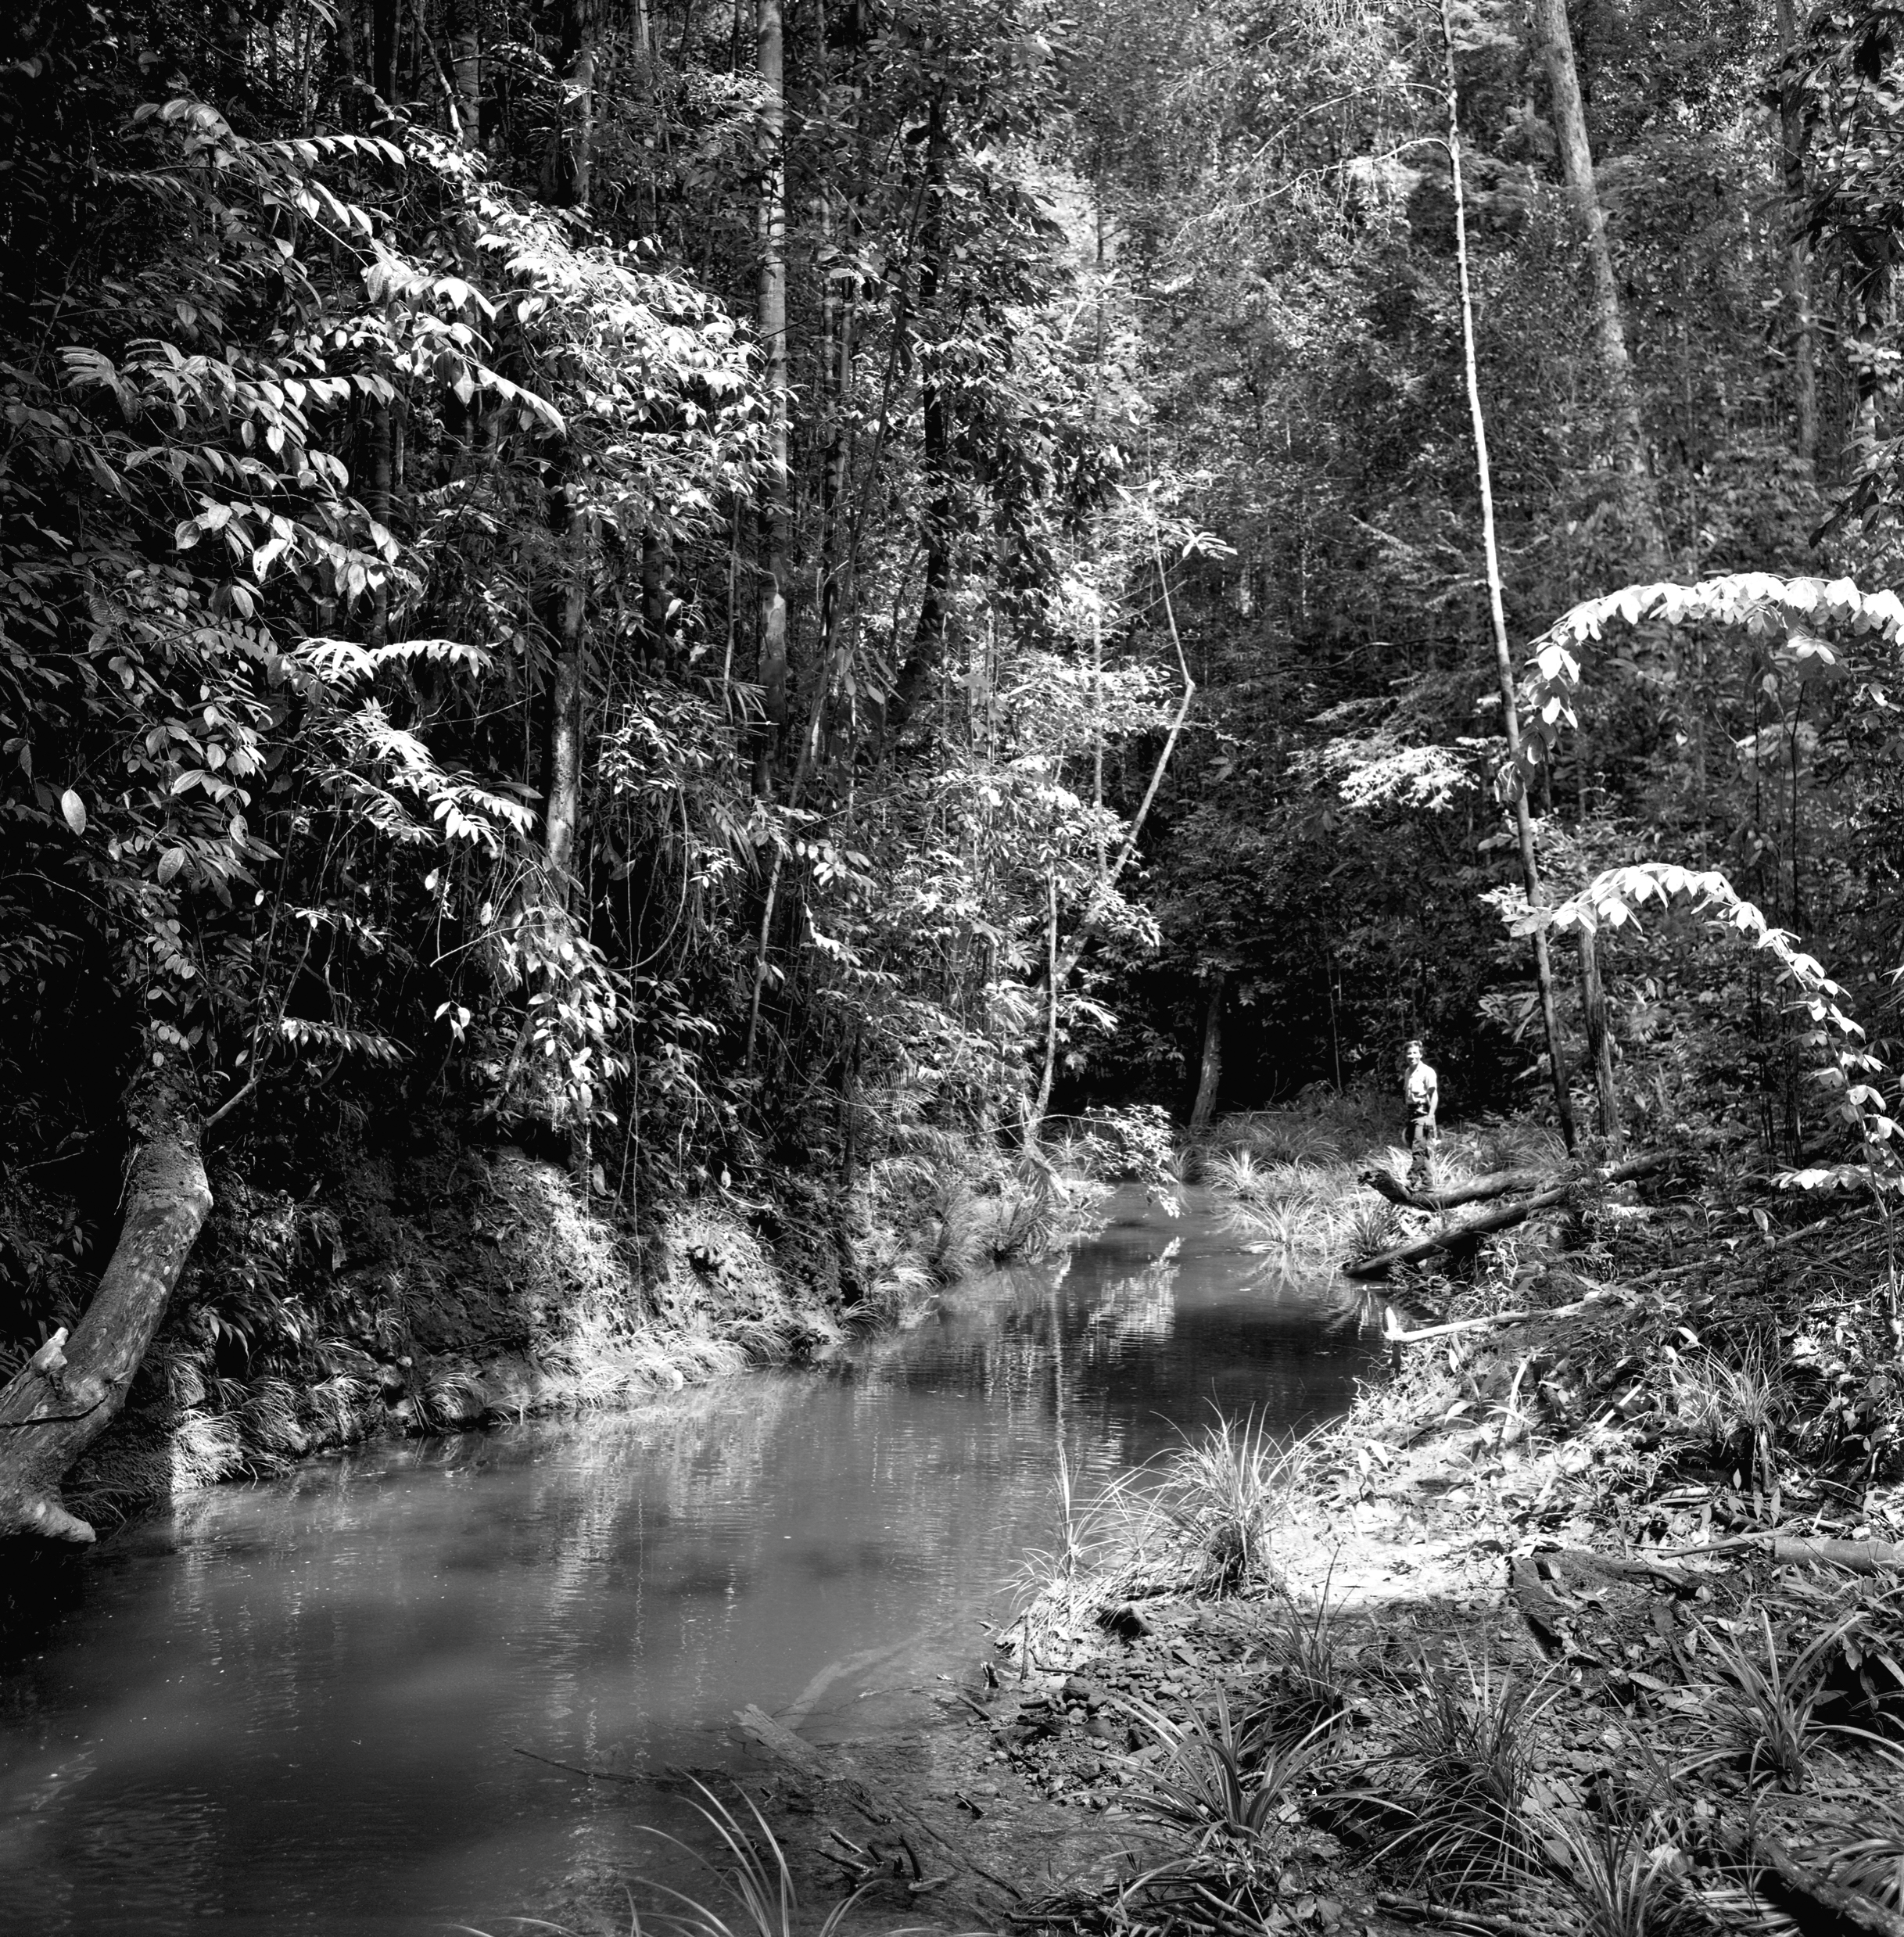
[(1476, 1190), (66, 1395)]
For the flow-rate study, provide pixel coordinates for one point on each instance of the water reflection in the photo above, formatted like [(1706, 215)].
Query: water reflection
[(295, 1706)]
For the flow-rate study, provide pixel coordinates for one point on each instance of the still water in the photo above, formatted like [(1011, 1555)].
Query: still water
[(294, 1707)]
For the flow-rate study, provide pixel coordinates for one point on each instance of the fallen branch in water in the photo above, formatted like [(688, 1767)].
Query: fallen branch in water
[(1504, 1219), (576, 1769)]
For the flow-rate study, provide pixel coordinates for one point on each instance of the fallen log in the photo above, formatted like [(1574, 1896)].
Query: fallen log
[(1457, 1236), (1787, 1550), (71, 1389), (1495, 1184)]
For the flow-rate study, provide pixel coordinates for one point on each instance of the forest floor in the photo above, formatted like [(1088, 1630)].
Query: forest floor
[(1591, 1620)]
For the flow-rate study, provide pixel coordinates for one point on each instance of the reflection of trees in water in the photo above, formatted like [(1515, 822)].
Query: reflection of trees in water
[(929, 1457)]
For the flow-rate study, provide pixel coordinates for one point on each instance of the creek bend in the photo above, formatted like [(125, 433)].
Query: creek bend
[(294, 1706)]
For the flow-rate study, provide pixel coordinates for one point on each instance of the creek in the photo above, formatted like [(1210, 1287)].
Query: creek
[(295, 1706)]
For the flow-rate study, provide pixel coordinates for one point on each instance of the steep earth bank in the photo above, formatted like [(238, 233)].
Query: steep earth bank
[(446, 1289)]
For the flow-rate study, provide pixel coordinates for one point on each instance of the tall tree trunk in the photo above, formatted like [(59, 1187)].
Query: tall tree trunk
[(657, 593), (775, 519), (929, 637), (561, 806), (1798, 270), (71, 1389), (1577, 164), (383, 20), (1599, 1041), (1503, 664), (1210, 1076), (383, 484), (838, 308), (466, 70), (1868, 278), (573, 142)]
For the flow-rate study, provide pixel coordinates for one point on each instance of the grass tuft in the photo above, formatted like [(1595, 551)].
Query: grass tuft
[(1306, 1690), (1767, 1715), (1471, 1733), (1222, 1493), (1874, 1866), (1619, 1883), (1225, 1776), (757, 1877)]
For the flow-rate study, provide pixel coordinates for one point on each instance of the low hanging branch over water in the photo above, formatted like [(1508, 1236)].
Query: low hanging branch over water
[(71, 1389), (1457, 1236)]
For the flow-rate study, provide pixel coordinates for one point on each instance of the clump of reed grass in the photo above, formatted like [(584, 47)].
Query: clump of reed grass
[(1222, 1493), (1224, 1776), (1470, 1732), (1766, 1713), (1734, 1410), (1512, 1144), (1305, 1689), (1373, 1225), (1874, 1865), (1057, 1583), (1620, 1880)]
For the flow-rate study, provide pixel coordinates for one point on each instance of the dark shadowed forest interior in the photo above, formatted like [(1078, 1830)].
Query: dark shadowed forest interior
[(671, 670)]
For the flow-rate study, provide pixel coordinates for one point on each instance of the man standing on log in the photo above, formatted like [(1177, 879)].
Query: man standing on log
[(1420, 1091)]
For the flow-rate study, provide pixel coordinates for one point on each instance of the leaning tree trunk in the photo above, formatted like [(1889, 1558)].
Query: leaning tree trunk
[(71, 1389)]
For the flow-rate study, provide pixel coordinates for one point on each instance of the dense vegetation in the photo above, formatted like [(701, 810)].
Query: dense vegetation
[(724, 593)]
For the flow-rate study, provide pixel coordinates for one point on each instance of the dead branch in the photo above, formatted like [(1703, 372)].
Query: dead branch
[(576, 1769), (1494, 1320)]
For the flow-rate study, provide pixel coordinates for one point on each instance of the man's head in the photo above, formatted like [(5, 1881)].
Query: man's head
[(1412, 1050)]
